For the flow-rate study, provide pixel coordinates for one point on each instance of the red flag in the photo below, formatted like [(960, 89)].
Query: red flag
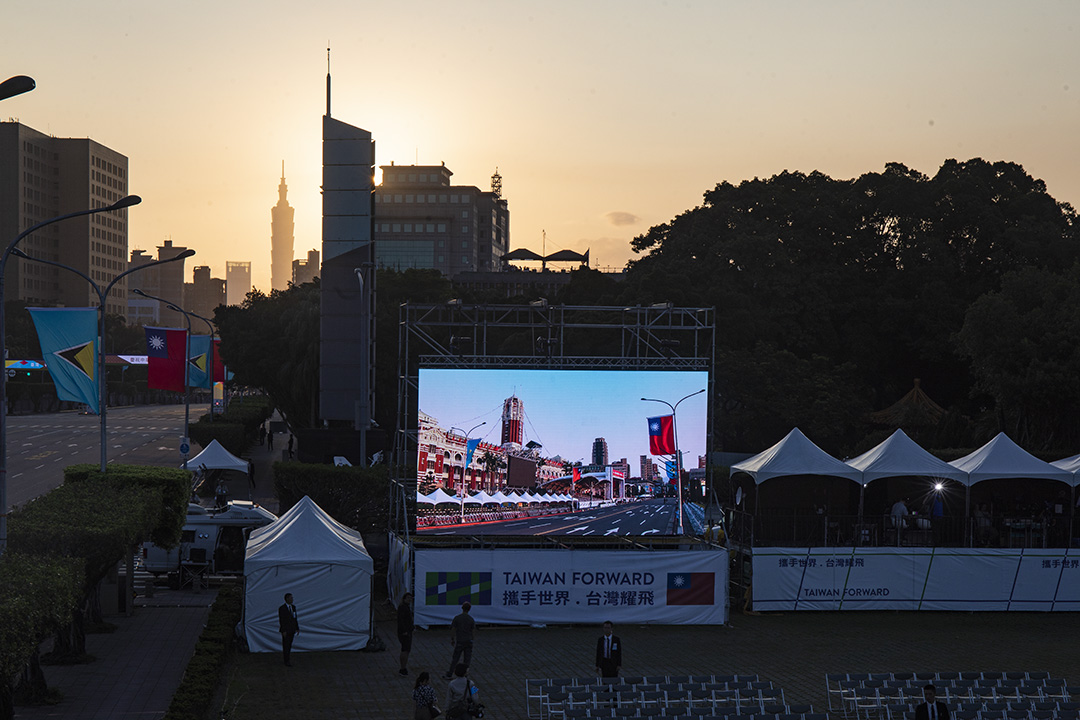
[(662, 435), (577, 474), (166, 358)]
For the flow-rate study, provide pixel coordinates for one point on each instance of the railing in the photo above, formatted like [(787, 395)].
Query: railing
[(823, 530)]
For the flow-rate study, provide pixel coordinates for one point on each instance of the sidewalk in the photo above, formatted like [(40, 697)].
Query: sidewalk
[(138, 667)]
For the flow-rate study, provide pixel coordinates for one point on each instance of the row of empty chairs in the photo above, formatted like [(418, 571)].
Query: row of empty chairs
[(745, 693), (676, 712), (907, 713)]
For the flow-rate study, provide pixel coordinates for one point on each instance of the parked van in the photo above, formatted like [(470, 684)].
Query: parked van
[(217, 539)]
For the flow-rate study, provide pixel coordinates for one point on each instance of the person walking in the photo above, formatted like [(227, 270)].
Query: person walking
[(405, 631), (424, 698), (262, 434), (608, 653), (288, 626), (221, 494), (462, 628), (290, 445)]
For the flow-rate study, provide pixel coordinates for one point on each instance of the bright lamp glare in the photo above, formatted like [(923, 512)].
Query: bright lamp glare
[(938, 487)]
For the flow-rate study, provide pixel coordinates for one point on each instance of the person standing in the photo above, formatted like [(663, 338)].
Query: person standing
[(221, 494), (270, 440), (425, 698), (290, 446), (461, 637), (262, 434), (932, 709), (608, 653), (461, 693), (288, 626), (405, 631)]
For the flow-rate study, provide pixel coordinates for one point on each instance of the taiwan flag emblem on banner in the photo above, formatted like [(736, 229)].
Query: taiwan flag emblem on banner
[(690, 588), (166, 358), (662, 435), (454, 588)]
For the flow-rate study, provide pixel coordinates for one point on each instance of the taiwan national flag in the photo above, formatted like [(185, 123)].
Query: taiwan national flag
[(690, 588), (662, 435), (166, 357)]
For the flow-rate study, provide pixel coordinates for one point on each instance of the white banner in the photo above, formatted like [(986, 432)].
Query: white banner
[(399, 570), (517, 587), (916, 579)]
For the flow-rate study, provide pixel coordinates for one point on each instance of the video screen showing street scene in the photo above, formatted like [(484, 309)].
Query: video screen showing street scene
[(557, 452)]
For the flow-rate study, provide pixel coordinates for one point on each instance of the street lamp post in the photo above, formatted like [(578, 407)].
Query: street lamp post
[(102, 297), (118, 205), (464, 464), (187, 363), (678, 456), (210, 359)]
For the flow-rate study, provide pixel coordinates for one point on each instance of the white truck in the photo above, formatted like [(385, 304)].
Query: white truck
[(214, 541)]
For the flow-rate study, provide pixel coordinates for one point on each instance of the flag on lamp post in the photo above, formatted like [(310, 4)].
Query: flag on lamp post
[(166, 356), (68, 338), (662, 435)]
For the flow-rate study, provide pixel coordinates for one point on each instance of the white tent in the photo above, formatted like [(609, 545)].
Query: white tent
[(327, 569), (794, 455), (216, 457), (498, 497), (1002, 458), (441, 496), (1069, 464), (900, 456), (421, 498), (514, 498)]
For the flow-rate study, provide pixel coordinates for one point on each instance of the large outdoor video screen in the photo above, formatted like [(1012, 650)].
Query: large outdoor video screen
[(556, 452)]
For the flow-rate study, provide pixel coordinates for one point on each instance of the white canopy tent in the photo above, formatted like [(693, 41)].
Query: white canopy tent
[(216, 457), (421, 498), (1002, 458), (441, 496), (498, 497), (900, 456), (1069, 464), (794, 455), (327, 569)]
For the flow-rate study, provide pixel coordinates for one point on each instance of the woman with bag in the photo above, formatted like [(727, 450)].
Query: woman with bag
[(424, 696)]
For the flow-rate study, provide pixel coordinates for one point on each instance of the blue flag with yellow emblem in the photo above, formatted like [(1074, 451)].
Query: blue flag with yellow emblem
[(69, 345)]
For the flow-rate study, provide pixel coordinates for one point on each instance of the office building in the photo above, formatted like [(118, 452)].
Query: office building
[(599, 452), (304, 271), (203, 294), (237, 281), (163, 281), (43, 177), (281, 238), (422, 221)]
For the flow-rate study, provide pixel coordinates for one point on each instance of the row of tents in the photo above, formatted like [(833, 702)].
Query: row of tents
[(498, 498), (900, 456)]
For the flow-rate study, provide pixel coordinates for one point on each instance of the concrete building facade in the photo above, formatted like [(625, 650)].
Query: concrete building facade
[(422, 221), (237, 281), (42, 177), (304, 271)]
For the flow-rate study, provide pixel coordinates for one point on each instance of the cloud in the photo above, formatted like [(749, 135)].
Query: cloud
[(622, 218)]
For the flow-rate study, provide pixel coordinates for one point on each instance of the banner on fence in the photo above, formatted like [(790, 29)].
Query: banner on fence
[(399, 570), (916, 579), (518, 587)]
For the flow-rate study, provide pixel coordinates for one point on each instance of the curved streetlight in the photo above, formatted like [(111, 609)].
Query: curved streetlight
[(102, 297), (16, 86), (463, 491), (118, 205), (678, 456), (187, 363)]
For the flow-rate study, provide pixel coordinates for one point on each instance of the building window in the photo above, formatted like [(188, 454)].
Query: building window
[(453, 199), (431, 227), (408, 227), (423, 177), (442, 198), (464, 260), (442, 227), (431, 198), (377, 199), (408, 198), (464, 244), (386, 227), (397, 198), (464, 228), (464, 213), (397, 227)]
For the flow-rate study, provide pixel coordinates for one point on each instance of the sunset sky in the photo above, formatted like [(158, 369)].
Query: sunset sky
[(603, 117)]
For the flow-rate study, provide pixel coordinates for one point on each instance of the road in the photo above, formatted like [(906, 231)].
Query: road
[(646, 517), (39, 447)]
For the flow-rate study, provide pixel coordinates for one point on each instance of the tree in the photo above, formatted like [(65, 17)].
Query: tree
[(271, 342)]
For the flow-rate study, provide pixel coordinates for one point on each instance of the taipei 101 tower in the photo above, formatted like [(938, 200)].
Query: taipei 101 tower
[(281, 238)]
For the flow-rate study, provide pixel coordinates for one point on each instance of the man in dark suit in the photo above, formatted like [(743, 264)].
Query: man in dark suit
[(288, 626), (608, 653), (932, 709)]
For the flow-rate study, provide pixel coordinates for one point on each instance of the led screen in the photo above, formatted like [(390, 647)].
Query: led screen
[(555, 452)]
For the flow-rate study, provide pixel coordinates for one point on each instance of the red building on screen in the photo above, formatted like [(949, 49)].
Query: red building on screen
[(513, 427)]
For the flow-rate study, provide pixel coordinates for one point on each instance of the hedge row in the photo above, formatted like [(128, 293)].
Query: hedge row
[(354, 496), (236, 428), (203, 674)]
